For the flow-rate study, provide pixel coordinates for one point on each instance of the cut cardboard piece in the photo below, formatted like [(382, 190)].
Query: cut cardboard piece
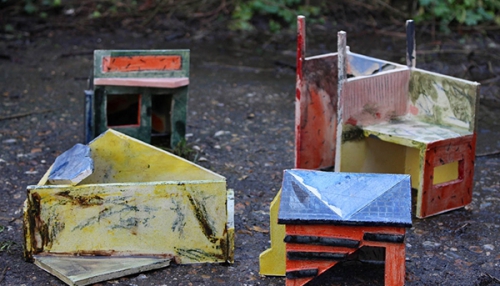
[(272, 261), (72, 166), (140, 201), (356, 113), (81, 271)]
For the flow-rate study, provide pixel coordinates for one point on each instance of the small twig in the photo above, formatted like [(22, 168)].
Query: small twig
[(490, 80), (19, 115), (2, 276), (462, 227), (215, 12), (151, 16), (488, 153), (392, 9), (489, 275)]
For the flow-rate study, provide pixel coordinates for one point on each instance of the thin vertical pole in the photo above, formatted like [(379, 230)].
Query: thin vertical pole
[(301, 48), (342, 76), (301, 51), (410, 44)]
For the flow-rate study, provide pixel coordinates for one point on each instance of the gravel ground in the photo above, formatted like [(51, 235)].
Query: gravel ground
[(245, 89)]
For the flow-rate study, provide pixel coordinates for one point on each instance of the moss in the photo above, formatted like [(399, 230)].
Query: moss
[(352, 133)]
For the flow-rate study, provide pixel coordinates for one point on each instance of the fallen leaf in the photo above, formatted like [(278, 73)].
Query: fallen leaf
[(243, 231), (239, 207), (43, 133), (259, 229), (460, 263), (475, 249)]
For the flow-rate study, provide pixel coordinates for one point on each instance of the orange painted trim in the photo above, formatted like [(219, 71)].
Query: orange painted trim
[(145, 82), (395, 267), (140, 63), (451, 195)]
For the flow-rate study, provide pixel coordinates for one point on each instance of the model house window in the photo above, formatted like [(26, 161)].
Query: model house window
[(123, 109), (447, 173)]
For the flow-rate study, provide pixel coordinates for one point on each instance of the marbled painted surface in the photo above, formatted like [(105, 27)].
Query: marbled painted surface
[(443, 100), (406, 131), (186, 220), (140, 200), (345, 198), (377, 98), (317, 118)]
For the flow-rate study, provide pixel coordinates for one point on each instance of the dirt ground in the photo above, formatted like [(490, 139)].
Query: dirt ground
[(246, 88)]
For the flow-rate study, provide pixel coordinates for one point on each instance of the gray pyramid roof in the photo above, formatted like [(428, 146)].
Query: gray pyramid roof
[(316, 197)]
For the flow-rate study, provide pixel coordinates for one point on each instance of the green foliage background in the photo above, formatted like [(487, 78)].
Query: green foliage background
[(273, 15), (279, 13), (467, 12)]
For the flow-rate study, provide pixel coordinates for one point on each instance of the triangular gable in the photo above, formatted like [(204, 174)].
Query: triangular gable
[(393, 206), (131, 160), (346, 198), (301, 199)]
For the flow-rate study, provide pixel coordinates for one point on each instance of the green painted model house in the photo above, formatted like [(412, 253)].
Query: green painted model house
[(141, 93)]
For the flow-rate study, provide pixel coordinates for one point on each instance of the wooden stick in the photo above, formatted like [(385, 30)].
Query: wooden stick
[(2, 276), (410, 44), (488, 153), (19, 115), (342, 77), (493, 277)]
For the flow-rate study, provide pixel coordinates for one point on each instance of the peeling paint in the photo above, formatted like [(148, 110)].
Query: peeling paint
[(142, 217)]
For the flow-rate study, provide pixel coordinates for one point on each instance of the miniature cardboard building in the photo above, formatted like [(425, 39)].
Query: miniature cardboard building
[(138, 202), (360, 114), (330, 216), (141, 93)]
